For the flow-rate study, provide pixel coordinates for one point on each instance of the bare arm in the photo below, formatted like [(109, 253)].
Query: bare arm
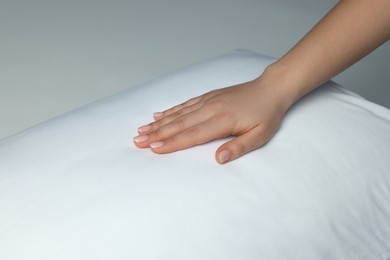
[(351, 30), (253, 111)]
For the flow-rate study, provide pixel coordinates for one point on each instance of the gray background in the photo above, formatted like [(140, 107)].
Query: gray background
[(58, 55)]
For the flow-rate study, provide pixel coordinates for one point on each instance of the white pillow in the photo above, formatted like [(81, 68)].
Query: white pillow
[(76, 187)]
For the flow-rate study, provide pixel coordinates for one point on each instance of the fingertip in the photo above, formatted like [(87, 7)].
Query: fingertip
[(231, 150), (158, 115), (140, 139), (156, 145), (223, 156), (144, 129)]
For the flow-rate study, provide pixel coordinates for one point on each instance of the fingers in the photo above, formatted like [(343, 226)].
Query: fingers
[(173, 114), (183, 126), (189, 103), (184, 132), (194, 135), (167, 119), (243, 144), (170, 126), (168, 112)]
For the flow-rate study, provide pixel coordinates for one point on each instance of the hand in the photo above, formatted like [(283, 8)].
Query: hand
[(250, 111), (253, 111)]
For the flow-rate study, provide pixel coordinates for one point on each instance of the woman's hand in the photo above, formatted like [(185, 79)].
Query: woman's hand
[(250, 111), (253, 111)]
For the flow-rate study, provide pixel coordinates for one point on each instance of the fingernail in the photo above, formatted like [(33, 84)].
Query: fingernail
[(144, 128), (224, 156), (158, 114), (156, 145), (140, 138)]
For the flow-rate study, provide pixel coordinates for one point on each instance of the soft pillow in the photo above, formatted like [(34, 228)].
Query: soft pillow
[(76, 187)]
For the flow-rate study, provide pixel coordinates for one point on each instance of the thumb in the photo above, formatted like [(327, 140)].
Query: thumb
[(243, 144)]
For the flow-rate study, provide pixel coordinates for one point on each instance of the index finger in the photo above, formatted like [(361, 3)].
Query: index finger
[(170, 111)]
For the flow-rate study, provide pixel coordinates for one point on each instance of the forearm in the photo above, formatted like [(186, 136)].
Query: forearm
[(351, 30)]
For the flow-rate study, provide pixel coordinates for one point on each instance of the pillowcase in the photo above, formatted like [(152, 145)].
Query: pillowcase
[(76, 187)]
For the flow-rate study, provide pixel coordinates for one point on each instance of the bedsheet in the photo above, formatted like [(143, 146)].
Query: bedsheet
[(75, 187)]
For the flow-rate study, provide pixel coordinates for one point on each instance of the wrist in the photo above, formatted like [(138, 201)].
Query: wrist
[(284, 83)]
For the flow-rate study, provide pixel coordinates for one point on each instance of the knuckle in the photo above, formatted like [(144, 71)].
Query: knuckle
[(158, 124), (213, 92), (227, 117), (155, 125), (239, 148), (175, 109), (215, 104), (158, 134), (192, 132), (179, 124), (181, 106), (187, 110), (192, 101), (179, 113)]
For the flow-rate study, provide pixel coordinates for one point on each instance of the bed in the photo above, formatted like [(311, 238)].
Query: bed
[(75, 187)]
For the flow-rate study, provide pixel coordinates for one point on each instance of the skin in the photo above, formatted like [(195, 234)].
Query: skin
[(253, 111)]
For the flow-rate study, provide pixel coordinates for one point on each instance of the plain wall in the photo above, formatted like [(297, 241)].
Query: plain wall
[(56, 55)]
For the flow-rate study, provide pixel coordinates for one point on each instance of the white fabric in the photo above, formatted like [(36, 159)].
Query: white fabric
[(75, 187)]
